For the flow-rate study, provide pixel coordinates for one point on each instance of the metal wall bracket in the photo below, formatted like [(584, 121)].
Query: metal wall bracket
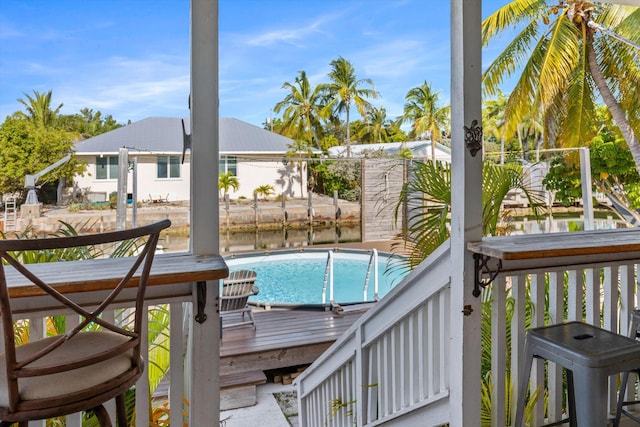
[(473, 137), (201, 293), (481, 267)]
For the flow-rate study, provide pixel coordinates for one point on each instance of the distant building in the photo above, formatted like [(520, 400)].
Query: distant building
[(419, 149), (254, 155)]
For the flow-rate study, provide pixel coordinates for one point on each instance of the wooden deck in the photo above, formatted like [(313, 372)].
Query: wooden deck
[(282, 338)]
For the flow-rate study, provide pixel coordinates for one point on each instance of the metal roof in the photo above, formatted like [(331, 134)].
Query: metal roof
[(163, 135), (418, 148)]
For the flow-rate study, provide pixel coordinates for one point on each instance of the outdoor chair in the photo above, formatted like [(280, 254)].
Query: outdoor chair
[(236, 290), (92, 362)]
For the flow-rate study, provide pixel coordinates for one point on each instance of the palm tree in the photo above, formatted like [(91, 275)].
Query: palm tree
[(375, 126), (345, 88), (565, 52), (39, 109), (298, 152), (227, 181), (303, 110), (493, 120), (428, 191), (265, 191), (422, 110)]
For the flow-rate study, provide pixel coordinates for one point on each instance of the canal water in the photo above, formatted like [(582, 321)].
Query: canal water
[(292, 238)]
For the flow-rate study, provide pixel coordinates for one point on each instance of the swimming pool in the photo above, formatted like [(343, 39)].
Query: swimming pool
[(296, 277)]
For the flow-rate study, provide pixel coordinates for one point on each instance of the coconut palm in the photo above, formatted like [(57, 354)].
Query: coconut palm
[(421, 109), (298, 152), (567, 57), (303, 110), (375, 126), (344, 89), (39, 109), (493, 120)]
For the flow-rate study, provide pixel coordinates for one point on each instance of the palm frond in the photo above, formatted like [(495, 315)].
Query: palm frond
[(580, 125), (513, 55), (510, 15)]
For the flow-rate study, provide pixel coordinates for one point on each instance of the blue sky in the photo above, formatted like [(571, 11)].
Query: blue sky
[(130, 58)]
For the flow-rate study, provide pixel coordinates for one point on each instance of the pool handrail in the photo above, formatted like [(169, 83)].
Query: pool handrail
[(373, 262), (328, 277)]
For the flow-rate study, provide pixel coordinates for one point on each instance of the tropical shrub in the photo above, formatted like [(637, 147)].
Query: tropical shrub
[(265, 191)]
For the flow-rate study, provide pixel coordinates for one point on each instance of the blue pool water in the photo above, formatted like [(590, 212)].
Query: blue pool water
[(297, 278)]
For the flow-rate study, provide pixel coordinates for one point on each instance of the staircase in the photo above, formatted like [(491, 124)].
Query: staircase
[(392, 364)]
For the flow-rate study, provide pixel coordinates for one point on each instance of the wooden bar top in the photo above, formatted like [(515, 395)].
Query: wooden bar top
[(103, 274), (554, 245)]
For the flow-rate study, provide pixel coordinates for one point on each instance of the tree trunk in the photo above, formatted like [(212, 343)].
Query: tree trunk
[(610, 101), (348, 141)]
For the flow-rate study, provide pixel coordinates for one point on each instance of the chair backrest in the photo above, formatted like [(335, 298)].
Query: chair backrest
[(236, 289), (11, 251)]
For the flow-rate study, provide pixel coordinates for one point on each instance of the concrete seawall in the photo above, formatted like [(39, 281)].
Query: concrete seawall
[(236, 218)]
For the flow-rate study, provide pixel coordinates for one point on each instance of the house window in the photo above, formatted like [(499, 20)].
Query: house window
[(228, 164), (168, 167), (107, 167)]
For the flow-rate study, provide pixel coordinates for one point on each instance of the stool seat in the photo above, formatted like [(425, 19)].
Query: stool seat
[(590, 354)]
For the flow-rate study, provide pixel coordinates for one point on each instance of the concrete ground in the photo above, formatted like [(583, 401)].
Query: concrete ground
[(266, 412)]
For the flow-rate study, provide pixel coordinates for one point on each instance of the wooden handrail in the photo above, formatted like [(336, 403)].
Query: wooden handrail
[(552, 245)]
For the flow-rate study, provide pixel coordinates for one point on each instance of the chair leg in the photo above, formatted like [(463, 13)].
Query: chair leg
[(103, 416), (253, 322), (121, 411)]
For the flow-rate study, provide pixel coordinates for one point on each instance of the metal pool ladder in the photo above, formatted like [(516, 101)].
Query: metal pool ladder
[(328, 278)]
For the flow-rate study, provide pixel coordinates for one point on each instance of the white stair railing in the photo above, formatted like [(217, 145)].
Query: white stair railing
[(392, 363)]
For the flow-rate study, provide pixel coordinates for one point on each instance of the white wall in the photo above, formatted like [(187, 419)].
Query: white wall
[(148, 183), (252, 174)]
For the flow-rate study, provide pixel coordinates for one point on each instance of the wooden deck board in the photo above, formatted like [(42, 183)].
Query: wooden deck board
[(282, 338)]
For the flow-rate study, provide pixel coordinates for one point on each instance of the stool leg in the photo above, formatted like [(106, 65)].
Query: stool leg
[(591, 406), (572, 399), (524, 384), (621, 394)]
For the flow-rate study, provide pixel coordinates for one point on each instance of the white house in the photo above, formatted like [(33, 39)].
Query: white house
[(254, 155)]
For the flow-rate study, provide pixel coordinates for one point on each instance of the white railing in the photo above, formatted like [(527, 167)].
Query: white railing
[(392, 363), (600, 293), (157, 356)]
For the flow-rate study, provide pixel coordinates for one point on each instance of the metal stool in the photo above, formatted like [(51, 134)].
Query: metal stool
[(590, 355), (633, 333)]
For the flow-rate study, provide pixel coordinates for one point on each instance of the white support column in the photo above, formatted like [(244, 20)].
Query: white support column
[(204, 409), (587, 193), (466, 211)]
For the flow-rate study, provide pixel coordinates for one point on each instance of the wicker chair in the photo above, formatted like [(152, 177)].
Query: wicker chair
[(80, 369), (236, 290)]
